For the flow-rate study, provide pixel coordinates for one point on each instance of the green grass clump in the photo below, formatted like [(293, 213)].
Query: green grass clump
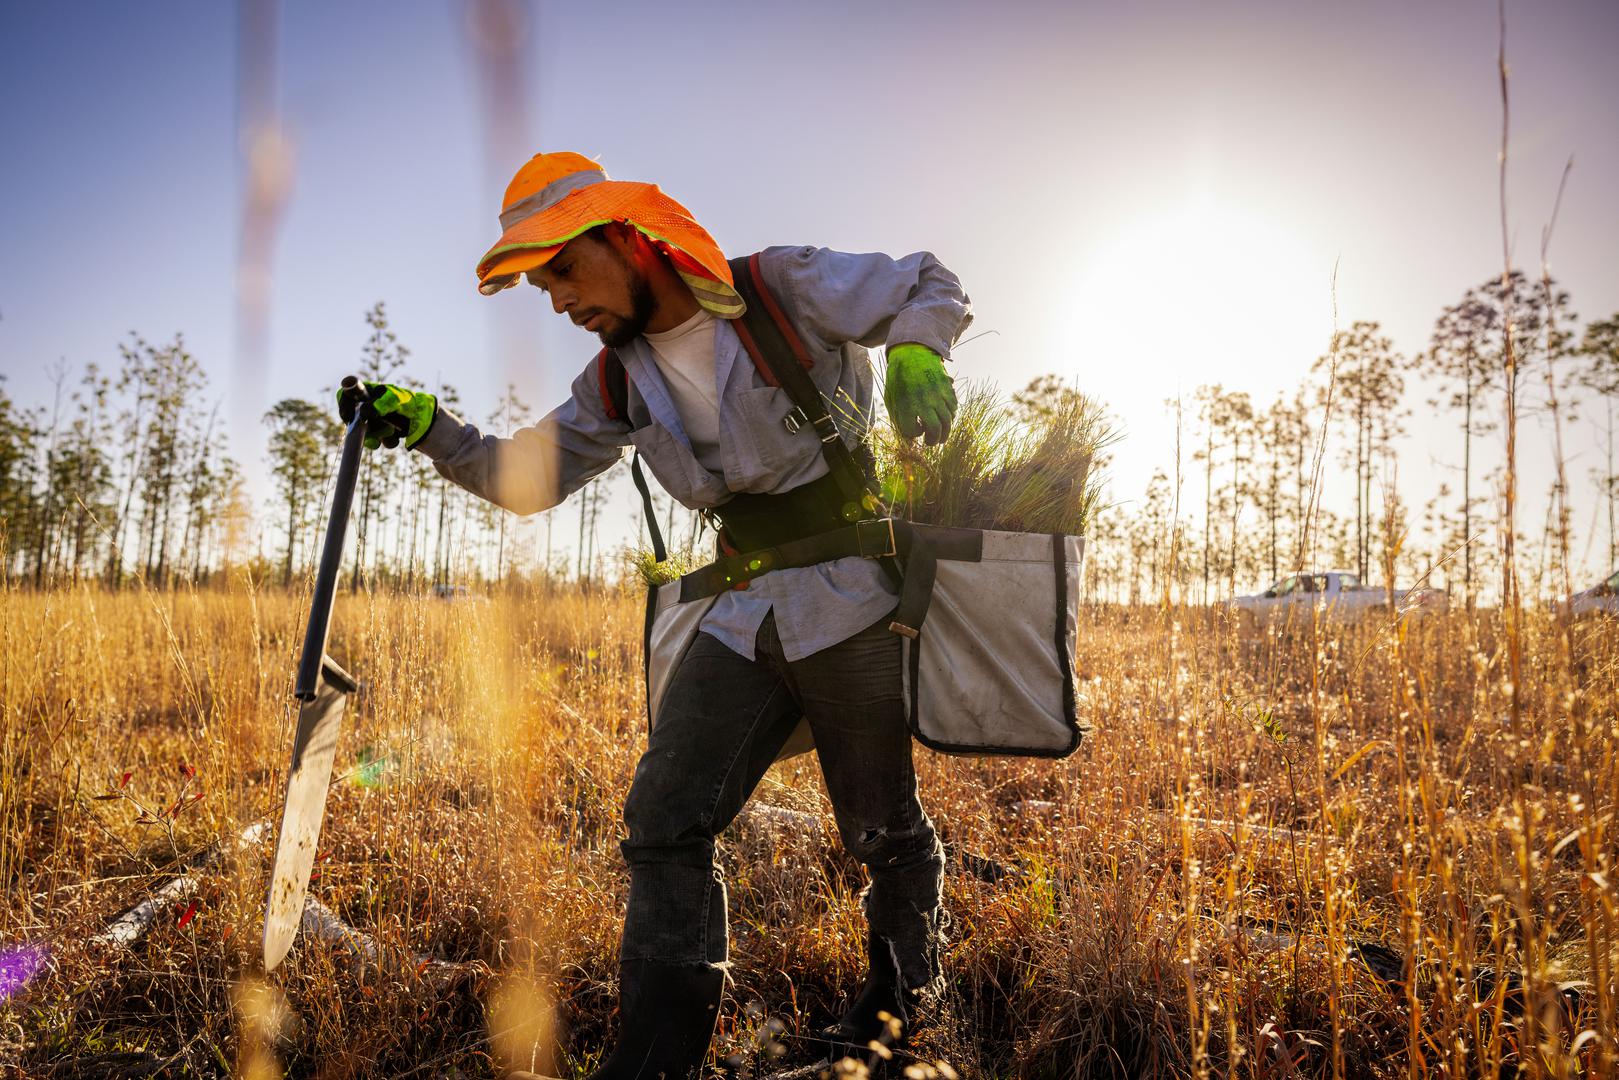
[(1026, 466), (652, 572)]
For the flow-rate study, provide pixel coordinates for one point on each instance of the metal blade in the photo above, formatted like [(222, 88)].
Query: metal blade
[(313, 748)]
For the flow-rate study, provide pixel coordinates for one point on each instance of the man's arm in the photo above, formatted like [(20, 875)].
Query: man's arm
[(871, 299), (540, 465)]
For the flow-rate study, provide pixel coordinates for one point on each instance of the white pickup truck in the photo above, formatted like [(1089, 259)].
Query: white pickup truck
[(1335, 596), (1600, 599)]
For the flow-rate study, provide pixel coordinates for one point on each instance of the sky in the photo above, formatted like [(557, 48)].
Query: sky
[(1137, 197)]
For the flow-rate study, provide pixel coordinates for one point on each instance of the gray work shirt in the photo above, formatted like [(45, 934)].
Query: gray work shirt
[(841, 304)]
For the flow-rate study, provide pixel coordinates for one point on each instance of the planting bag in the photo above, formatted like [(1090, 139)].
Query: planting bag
[(990, 621)]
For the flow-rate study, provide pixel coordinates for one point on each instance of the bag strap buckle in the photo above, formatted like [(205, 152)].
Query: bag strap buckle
[(875, 538), (824, 426)]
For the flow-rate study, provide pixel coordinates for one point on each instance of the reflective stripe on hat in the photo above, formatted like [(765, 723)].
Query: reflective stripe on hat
[(549, 195)]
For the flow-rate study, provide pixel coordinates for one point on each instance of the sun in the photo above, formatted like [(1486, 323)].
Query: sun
[(1206, 292)]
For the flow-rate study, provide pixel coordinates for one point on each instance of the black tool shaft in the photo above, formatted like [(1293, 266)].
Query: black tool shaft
[(331, 556)]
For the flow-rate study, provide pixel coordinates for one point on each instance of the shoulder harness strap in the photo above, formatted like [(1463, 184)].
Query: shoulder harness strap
[(777, 351), (614, 384), (780, 355)]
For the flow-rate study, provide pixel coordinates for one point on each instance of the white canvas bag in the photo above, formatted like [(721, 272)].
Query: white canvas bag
[(990, 632), (989, 622), (671, 627)]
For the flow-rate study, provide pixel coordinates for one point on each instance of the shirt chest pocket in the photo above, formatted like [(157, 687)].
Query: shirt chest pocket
[(759, 449)]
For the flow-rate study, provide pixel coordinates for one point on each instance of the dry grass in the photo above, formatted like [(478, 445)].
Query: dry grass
[(1206, 888)]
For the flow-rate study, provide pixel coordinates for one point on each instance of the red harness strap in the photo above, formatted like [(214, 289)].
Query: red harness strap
[(778, 316), (609, 399)]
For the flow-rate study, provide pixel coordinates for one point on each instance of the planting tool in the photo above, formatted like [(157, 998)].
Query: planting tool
[(322, 689)]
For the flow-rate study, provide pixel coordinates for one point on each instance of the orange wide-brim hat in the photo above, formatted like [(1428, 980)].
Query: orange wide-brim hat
[(555, 197)]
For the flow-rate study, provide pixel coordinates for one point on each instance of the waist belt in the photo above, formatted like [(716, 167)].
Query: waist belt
[(753, 521), (920, 547), (812, 523), (874, 538)]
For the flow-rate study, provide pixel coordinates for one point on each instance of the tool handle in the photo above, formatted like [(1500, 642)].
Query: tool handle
[(331, 556)]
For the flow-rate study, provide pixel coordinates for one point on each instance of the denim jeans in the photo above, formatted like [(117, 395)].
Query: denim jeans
[(721, 724)]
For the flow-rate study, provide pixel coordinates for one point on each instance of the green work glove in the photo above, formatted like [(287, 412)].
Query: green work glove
[(918, 394), (392, 412)]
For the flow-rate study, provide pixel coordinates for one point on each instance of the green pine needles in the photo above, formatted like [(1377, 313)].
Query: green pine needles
[(1031, 465), (646, 566)]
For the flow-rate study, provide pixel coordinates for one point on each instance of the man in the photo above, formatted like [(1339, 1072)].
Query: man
[(630, 265)]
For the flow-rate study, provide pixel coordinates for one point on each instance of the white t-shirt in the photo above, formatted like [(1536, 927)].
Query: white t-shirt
[(685, 356)]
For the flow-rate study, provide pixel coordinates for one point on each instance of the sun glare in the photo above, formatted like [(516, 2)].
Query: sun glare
[(1206, 293)]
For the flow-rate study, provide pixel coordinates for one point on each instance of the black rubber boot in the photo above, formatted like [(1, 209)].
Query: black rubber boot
[(882, 992), (666, 1020)]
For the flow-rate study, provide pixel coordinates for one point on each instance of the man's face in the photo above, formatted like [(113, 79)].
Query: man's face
[(594, 281)]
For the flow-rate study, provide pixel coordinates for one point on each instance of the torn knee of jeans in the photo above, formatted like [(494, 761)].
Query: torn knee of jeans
[(885, 845), (879, 845)]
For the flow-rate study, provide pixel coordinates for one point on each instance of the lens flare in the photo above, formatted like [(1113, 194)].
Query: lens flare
[(19, 964), (372, 768)]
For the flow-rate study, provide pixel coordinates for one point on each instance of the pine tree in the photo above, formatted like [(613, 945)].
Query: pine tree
[(1369, 385), (1210, 405), (511, 412), (166, 382), (1600, 347), (380, 357), (19, 434), (82, 476), (1461, 356), (303, 439), (1275, 437), (448, 397), (45, 530)]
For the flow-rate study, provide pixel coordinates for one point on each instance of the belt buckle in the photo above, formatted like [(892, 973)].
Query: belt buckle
[(884, 537), (794, 420)]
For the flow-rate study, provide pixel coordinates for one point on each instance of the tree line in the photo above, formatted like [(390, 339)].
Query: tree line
[(1262, 467), (127, 473), (121, 474)]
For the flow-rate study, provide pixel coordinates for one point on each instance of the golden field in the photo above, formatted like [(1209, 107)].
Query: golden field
[(1319, 853)]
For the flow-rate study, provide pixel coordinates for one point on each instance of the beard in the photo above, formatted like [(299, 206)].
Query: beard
[(619, 330)]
